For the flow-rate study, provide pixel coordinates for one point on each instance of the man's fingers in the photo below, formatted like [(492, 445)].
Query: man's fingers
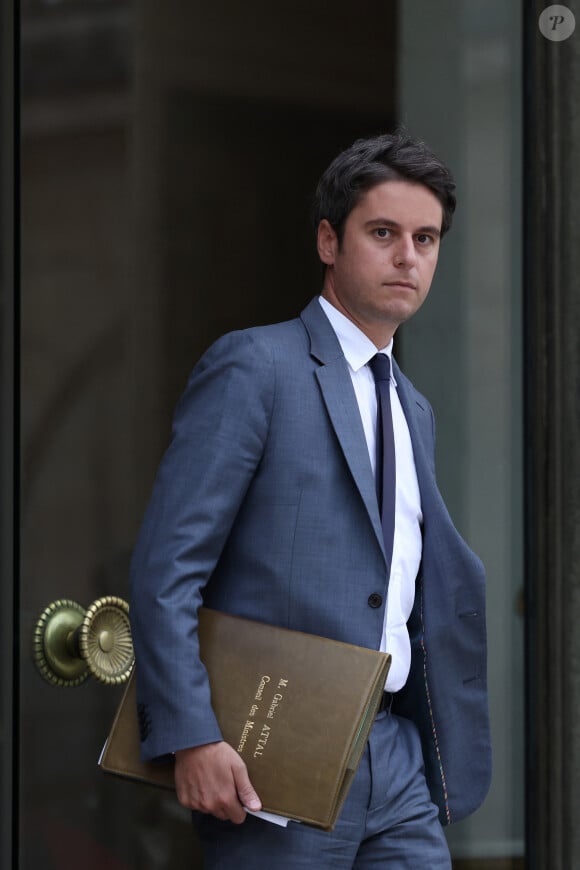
[(214, 779)]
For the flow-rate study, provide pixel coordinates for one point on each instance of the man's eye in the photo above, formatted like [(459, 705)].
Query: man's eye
[(424, 238), (382, 232)]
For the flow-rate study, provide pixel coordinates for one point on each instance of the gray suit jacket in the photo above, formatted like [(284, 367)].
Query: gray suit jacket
[(265, 506)]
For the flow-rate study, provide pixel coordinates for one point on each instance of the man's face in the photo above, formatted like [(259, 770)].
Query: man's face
[(381, 273)]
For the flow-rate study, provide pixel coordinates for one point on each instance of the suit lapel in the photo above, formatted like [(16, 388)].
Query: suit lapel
[(340, 400)]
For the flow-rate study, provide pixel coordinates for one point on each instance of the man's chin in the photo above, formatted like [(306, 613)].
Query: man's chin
[(400, 312)]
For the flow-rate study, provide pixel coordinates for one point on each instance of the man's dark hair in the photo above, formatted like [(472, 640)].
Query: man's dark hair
[(368, 162)]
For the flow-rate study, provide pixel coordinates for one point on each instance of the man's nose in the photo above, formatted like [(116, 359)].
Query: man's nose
[(405, 253)]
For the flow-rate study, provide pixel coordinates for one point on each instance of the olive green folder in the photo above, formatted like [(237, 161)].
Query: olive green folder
[(297, 707)]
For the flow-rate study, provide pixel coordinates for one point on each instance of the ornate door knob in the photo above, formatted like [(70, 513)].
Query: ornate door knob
[(71, 643)]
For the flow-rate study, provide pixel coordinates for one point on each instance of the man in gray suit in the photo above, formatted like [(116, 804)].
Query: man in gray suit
[(266, 506)]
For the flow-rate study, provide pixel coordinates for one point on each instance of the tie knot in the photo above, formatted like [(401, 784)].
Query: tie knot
[(381, 367)]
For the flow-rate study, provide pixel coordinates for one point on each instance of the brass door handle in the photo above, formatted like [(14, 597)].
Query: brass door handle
[(71, 643)]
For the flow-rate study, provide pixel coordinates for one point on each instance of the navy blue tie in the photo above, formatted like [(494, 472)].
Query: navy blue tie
[(386, 469)]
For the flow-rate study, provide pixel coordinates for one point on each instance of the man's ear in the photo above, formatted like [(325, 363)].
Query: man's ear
[(326, 242)]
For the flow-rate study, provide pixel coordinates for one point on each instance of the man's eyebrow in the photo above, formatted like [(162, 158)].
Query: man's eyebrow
[(387, 222)]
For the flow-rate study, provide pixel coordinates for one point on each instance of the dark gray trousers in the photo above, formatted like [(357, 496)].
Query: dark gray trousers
[(388, 820)]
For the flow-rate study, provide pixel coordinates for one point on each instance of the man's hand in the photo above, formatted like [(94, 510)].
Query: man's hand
[(213, 779)]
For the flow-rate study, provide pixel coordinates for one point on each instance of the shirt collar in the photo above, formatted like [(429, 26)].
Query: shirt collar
[(357, 348)]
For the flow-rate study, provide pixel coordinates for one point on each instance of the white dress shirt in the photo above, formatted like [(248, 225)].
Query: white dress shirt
[(407, 544)]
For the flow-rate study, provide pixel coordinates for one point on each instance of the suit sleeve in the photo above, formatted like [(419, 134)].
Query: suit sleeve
[(219, 431)]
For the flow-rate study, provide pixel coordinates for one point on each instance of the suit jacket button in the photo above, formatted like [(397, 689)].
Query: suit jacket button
[(375, 600)]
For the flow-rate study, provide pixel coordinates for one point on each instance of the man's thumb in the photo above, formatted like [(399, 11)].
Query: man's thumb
[(246, 793)]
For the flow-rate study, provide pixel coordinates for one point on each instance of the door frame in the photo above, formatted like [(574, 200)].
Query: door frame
[(9, 272), (551, 436)]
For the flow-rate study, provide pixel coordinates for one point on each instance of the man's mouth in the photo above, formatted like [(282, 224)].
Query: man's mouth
[(401, 284)]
